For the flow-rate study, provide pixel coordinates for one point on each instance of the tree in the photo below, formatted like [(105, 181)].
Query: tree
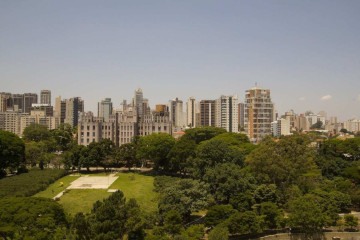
[(217, 214), (80, 226), (306, 214), (244, 223), (226, 180), (181, 154), (200, 134), (126, 153), (219, 233), (317, 125), (185, 196), (273, 217), (36, 132), (284, 162), (30, 218), (266, 193), (156, 147), (12, 152), (113, 218), (63, 137), (351, 221), (173, 222)]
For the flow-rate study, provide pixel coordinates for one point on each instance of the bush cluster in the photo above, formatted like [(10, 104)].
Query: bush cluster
[(27, 184)]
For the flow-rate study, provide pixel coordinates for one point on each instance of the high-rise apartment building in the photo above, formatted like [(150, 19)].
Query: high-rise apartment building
[(259, 113), (227, 113), (177, 116), (45, 97), (280, 127), (105, 108), (191, 112), (207, 113)]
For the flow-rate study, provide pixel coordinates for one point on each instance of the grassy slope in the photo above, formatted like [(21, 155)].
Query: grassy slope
[(81, 200), (56, 187), (132, 185), (139, 187)]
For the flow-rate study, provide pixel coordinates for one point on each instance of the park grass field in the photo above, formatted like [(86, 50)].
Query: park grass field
[(81, 200), (133, 185), (140, 187), (55, 188)]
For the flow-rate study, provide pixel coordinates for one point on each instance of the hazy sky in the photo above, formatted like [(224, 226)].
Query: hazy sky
[(307, 52)]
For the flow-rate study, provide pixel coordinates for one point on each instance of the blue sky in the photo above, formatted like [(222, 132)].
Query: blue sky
[(307, 52)]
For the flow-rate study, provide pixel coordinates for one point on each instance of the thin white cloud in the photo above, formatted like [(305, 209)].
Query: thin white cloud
[(302, 98), (358, 98), (326, 97)]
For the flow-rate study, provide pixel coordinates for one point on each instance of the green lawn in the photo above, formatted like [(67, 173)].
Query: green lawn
[(81, 200), (140, 187), (133, 185), (57, 187)]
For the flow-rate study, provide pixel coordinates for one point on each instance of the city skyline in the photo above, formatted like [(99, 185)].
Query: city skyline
[(305, 52)]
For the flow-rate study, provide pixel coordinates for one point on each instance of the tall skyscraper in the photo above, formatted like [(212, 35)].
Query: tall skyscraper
[(176, 113), (191, 110), (74, 106), (138, 102), (29, 99), (207, 113), (259, 113), (227, 113), (18, 102), (45, 97), (105, 108)]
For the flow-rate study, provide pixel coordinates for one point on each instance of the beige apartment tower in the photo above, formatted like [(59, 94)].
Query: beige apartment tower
[(259, 113)]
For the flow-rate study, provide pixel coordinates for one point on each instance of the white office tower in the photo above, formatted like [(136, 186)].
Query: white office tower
[(177, 115), (227, 115)]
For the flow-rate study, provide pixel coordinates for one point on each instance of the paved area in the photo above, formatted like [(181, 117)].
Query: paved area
[(93, 182)]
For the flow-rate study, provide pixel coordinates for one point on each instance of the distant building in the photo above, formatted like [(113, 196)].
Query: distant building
[(280, 127), (138, 102), (105, 108), (124, 124), (241, 109), (45, 97), (5, 102), (191, 112), (227, 113), (93, 129), (207, 113), (352, 125), (29, 100), (177, 115), (74, 106), (259, 113)]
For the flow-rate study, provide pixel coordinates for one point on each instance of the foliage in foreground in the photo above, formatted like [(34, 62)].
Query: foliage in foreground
[(30, 218), (27, 184)]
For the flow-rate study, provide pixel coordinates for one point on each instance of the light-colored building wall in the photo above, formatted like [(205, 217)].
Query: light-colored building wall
[(227, 116)]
